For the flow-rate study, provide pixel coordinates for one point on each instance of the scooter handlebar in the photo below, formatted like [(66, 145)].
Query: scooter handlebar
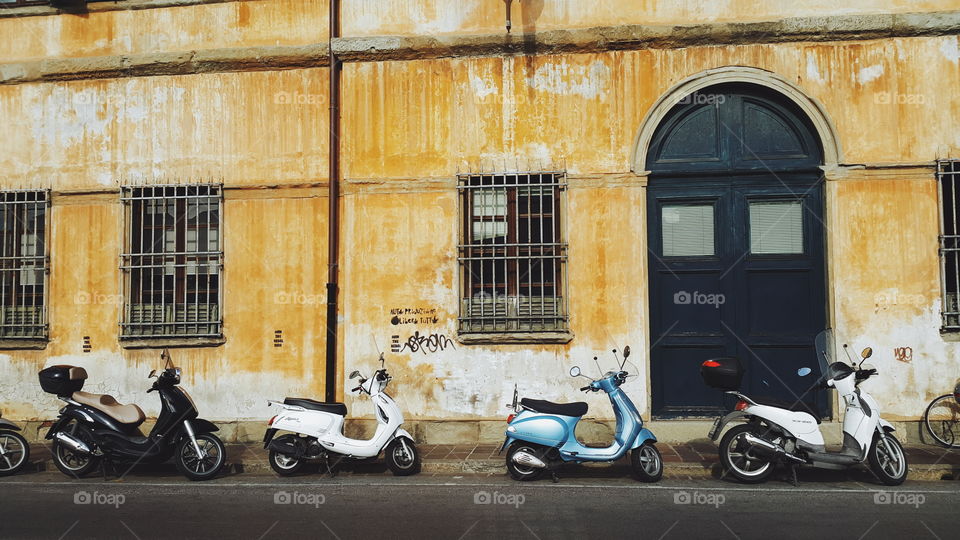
[(587, 388), (357, 389)]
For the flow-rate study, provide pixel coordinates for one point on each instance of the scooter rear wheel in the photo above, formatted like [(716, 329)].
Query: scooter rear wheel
[(285, 465), (71, 462), (739, 459), (521, 472), (16, 453)]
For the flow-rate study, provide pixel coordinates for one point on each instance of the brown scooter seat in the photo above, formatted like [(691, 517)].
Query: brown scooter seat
[(125, 414)]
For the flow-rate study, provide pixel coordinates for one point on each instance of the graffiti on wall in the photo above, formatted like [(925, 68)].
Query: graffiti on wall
[(903, 354), (423, 343), (418, 315)]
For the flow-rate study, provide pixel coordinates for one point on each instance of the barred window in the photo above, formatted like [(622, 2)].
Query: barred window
[(172, 261), (513, 252), (948, 173), (24, 269)]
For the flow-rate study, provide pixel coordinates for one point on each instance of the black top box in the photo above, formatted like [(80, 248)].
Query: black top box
[(723, 373), (62, 380)]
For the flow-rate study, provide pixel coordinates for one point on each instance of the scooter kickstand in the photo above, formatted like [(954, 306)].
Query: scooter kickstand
[(793, 473), (555, 477)]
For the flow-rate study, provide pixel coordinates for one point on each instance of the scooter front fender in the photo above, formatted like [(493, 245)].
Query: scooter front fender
[(887, 426), (642, 437), (6, 424), (400, 432)]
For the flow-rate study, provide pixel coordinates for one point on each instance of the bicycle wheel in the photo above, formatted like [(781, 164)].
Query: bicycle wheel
[(942, 419)]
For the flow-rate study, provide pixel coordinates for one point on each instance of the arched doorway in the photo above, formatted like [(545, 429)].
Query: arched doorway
[(736, 237)]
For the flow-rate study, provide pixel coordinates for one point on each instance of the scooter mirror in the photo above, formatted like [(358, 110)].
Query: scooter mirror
[(804, 371), (354, 374), (626, 351), (575, 371), (867, 353)]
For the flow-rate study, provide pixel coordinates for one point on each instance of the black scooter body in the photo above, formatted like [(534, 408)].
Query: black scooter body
[(125, 442)]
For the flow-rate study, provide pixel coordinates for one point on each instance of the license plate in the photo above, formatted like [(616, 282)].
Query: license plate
[(715, 430)]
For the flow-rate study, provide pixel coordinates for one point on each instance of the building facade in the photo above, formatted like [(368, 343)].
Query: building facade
[(692, 179)]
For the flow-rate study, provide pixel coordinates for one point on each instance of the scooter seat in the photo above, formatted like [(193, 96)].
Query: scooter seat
[(548, 407), (125, 414), (795, 406), (333, 408)]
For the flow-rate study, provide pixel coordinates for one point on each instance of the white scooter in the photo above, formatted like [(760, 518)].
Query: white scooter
[(778, 431), (317, 432)]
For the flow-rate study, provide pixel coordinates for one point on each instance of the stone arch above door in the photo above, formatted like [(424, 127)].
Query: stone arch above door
[(829, 142)]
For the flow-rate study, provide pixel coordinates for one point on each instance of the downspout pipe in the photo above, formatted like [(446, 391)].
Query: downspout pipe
[(333, 213)]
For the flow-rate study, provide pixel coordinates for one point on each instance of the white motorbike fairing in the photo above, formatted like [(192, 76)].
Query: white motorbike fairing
[(801, 425), (328, 427)]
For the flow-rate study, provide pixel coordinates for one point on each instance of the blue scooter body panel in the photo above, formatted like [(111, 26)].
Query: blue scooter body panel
[(559, 431)]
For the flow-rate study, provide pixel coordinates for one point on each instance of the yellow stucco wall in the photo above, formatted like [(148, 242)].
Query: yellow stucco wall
[(409, 126)]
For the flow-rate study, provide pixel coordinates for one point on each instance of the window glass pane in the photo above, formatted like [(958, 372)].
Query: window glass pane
[(490, 202), (687, 230), (776, 227)]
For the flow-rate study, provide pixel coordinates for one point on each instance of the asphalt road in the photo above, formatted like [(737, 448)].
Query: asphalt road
[(379, 506)]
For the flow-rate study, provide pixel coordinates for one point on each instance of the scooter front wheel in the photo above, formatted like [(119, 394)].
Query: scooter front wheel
[(523, 473), (207, 464), (646, 463), (14, 453), (402, 457), (887, 460)]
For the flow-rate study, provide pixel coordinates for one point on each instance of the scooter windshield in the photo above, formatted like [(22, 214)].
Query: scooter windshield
[(823, 344)]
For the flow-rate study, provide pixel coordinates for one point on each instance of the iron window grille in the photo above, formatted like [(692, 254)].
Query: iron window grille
[(172, 261), (948, 174), (513, 252), (24, 265)]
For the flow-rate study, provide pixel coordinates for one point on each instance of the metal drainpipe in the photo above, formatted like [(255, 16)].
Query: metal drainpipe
[(333, 214)]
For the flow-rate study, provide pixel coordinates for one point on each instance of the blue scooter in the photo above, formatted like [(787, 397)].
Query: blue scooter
[(541, 434)]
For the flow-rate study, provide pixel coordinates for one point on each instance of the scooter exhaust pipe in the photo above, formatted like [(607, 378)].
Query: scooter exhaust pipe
[(71, 442), (768, 450), (528, 460)]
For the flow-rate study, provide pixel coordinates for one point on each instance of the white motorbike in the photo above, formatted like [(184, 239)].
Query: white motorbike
[(316, 432), (782, 432)]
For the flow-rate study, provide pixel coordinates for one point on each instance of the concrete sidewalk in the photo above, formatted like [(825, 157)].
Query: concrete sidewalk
[(683, 461)]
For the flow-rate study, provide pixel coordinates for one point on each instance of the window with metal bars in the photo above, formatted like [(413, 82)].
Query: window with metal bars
[(172, 261), (513, 252), (948, 175), (24, 269)]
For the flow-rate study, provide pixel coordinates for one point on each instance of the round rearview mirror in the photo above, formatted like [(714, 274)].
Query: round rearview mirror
[(804, 371), (626, 351), (354, 374), (575, 371), (867, 353)]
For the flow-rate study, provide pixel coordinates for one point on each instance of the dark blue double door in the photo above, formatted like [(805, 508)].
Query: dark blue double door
[(736, 246), (735, 270)]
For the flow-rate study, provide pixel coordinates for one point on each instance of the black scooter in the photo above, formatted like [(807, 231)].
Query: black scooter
[(14, 450), (95, 427)]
